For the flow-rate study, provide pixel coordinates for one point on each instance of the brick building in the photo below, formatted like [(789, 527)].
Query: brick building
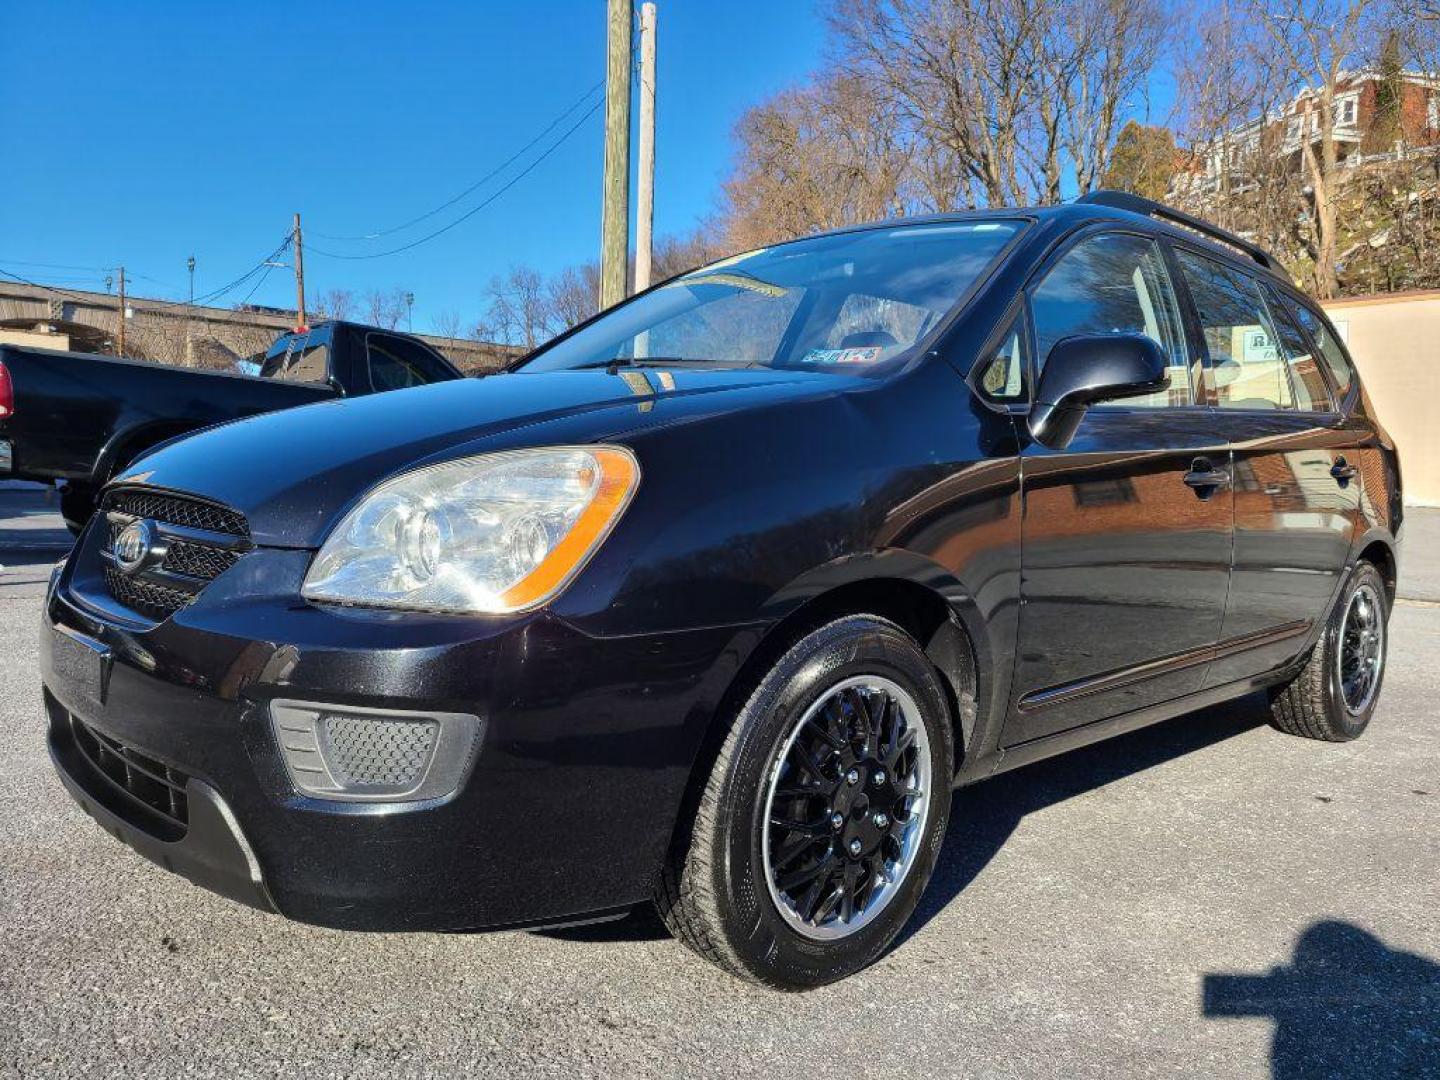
[(1365, 130)]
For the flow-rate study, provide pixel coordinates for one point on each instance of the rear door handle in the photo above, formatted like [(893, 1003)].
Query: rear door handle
[(1342, 470), (1205, 478)]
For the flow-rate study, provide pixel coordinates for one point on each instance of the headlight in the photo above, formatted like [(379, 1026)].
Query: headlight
[(501, 532)]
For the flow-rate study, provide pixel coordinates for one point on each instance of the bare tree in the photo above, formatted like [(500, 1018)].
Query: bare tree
[(1003, 101), (385, 307), (1099, 55), (519, 312), (332, 304), (962, 75), (677, 254), (1313, 44), (573, 295), (828, 153), (447, 323)]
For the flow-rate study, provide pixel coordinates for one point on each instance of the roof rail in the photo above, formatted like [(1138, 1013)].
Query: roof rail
[(1138, 204)]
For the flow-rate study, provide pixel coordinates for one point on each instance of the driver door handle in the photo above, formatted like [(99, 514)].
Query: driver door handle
[(1205, 478)]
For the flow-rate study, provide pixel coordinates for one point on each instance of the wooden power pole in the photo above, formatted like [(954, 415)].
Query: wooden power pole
[(615, 215), (299, 277), (121, 349), (645, 196)]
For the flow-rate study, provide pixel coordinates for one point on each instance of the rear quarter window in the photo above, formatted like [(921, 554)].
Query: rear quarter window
[(1332, 353)]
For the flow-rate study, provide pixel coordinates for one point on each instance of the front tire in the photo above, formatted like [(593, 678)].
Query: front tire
[(823, 814), (1334, 695)]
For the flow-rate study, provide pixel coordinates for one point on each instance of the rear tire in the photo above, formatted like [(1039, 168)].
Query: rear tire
[(836, 740), (1334, 695)]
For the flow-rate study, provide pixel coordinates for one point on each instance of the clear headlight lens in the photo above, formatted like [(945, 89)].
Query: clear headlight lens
[(501, 532)]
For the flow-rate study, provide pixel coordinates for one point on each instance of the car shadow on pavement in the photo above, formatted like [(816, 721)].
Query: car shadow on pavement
[(1347, 1005), (983, 817)]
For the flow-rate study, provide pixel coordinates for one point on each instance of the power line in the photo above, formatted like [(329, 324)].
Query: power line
[(258, 282), (215, 294), (48, 288), (479, 206), (91, 269), (58, 266), (477, 184)]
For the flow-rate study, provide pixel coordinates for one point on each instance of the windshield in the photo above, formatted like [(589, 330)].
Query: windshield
[(848, 302)]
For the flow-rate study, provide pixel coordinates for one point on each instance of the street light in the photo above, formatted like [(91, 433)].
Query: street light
[(190, 266), (410, 312)]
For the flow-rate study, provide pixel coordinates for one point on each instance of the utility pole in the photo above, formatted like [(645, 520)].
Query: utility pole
[(615, 215), (299, 277), (121, 272), (645, 200), (410, 312)]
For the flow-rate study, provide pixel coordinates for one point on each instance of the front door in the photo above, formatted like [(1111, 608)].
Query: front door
[(1127, 530)]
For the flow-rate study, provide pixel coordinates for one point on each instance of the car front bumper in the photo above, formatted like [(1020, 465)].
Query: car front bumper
[(584, 750)]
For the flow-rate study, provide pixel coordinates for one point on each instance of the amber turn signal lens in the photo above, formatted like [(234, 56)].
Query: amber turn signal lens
[(619, 476)]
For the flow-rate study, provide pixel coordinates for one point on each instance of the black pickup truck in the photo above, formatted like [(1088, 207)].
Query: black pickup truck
[(79, 418)]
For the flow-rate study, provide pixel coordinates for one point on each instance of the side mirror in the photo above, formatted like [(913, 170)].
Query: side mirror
[(1082, 371)]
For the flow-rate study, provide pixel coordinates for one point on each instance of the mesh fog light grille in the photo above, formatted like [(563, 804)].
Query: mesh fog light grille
[(373, 755), (388, 752)]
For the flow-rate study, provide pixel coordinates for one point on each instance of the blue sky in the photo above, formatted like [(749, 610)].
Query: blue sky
[(143, 133)]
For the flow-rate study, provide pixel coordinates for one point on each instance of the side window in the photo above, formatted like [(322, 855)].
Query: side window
[(1311, 393), (1115, 283), (1245, 359), (395, 363), (1332, 354), (1002, 374)]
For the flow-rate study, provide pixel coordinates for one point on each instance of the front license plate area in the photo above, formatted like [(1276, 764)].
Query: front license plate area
[(81, 663)]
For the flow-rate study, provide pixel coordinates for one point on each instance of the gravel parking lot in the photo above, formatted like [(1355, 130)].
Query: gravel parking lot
[(1205, 897)]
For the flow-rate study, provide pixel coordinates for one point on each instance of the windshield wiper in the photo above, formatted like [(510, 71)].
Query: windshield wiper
[(618, 362)]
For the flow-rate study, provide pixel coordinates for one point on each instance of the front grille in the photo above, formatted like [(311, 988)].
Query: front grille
[(370, 751), (188, 563), (179, 510), (198, 560), (144, 784), (151, 600)]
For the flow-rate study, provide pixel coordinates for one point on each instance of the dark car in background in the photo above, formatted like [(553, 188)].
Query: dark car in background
[(79, 418), (713, 600)]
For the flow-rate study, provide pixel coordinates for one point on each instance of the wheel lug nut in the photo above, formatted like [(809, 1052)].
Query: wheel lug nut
[(879, 777), (856, 847), (853, 776), (837, 820), (881, 821)]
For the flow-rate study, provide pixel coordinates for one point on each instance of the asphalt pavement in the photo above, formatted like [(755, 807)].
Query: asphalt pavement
[(1205, 897)]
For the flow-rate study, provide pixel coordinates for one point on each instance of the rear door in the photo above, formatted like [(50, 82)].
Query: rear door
[(1126, 554), (1296, 500)]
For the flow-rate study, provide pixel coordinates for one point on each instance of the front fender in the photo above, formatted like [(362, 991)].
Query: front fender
[(986, 645)]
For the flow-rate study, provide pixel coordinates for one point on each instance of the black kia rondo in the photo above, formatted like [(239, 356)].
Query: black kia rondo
[(713, 600)]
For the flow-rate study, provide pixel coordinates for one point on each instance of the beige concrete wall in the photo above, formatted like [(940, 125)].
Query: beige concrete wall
[(1396, 344), (34, 340)]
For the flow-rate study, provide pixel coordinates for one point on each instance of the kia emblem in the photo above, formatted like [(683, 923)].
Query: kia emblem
[(134, 544)]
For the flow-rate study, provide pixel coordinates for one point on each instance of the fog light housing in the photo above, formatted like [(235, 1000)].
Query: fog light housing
[(355, 754)]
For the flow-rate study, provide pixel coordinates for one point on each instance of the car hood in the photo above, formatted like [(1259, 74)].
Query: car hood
[(292, 473)]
